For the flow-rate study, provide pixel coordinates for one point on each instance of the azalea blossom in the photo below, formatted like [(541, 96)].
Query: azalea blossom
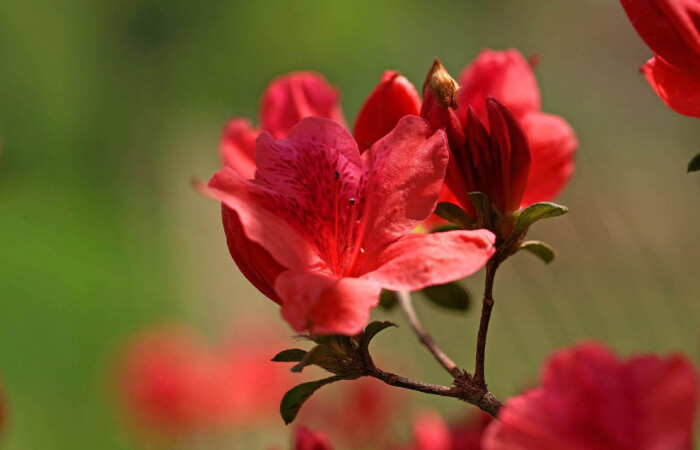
[(671, 28), (506, 76), (306, 439), (337, 224), (432, 432), (592, 399), (172, 383)]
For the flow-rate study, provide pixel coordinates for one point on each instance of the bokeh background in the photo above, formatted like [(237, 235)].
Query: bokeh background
[(107, 109)]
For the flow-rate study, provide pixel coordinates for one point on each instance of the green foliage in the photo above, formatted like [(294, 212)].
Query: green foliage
[(290, 355), (535, 212), (294, 399), (454, 214), (539, 249), (451, 296)]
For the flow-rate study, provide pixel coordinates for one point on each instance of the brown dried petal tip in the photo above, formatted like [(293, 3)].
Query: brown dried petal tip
[(443, 86)]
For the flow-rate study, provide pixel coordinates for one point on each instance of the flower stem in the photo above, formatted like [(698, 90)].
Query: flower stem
[(425, 338), (486, 308)]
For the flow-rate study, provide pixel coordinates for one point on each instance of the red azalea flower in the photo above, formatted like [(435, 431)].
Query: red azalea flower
[(508, 77), (590, 399), (338, 223), (431, 432), (671, 28), (305, 439), (174, 384)]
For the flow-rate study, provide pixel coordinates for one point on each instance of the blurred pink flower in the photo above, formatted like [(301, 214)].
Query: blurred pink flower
[(338, 224), (591, 399), (174, 384), (305, 439), (671, 28), (431, 432)]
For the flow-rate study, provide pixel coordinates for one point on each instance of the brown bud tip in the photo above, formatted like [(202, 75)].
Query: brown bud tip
[(443, 86), (533, 60)]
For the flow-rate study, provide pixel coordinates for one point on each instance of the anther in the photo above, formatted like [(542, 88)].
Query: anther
[(352, 200), (336, 175)]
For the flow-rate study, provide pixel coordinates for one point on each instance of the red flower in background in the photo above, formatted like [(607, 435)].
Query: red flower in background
[(305, 439), (505, 76), (590, 399), (671, 28), (174, 384), (431, 432), (337, 224)]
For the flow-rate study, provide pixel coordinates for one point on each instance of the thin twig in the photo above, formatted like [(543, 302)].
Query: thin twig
[(465, 388), (427, 340), (486, 308)]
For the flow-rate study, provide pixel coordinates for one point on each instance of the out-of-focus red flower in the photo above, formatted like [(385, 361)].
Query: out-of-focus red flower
[(174, 384), (305, 439), (338, 224), (671, 28), (591, 399), (357, 413), (431, 432)]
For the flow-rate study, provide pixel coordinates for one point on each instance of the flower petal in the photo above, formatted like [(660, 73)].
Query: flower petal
[(324, 304), (256, 263), (393, 98), (670, 28), (291, 97), (266, 218), (238, 147), (680, 90), (591, 399), (317, 169), (552, 148), (505, 75), (419, 260), (404, 173)]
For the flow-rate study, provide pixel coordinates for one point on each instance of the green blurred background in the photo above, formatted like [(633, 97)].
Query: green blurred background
[(108, 108)]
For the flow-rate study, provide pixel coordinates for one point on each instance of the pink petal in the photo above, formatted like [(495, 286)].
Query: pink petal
[(290, 98), (419, 260), (670, 28), (552, 147), (430, 432), (678, 89), (265, 218), (505, 75), (305, 439), (317, 171), (393, 98), (256, 263), (592, 400), (238, 147), (325, 304), (404, 173)]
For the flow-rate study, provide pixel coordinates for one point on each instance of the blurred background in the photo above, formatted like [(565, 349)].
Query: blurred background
[(107, 109)]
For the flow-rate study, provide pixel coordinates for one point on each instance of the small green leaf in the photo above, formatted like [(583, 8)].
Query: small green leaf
[(388, 299), (449, 295), (295, 397), (694, 164), (539, 249), (322, 356), (454, 214), (482, 204), (535, 212), (290, 355), (372, 329)]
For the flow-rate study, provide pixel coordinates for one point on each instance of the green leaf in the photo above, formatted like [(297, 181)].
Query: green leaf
[(295, 397), (454, 214), (539, 249), (535, 212), (449, 295), (482, 204), (694, 164), (372, 329), (322, 356), (290, 355), (388, 299)]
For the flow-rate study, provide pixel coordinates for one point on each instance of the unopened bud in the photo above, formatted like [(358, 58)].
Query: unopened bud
[(443, 86)]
